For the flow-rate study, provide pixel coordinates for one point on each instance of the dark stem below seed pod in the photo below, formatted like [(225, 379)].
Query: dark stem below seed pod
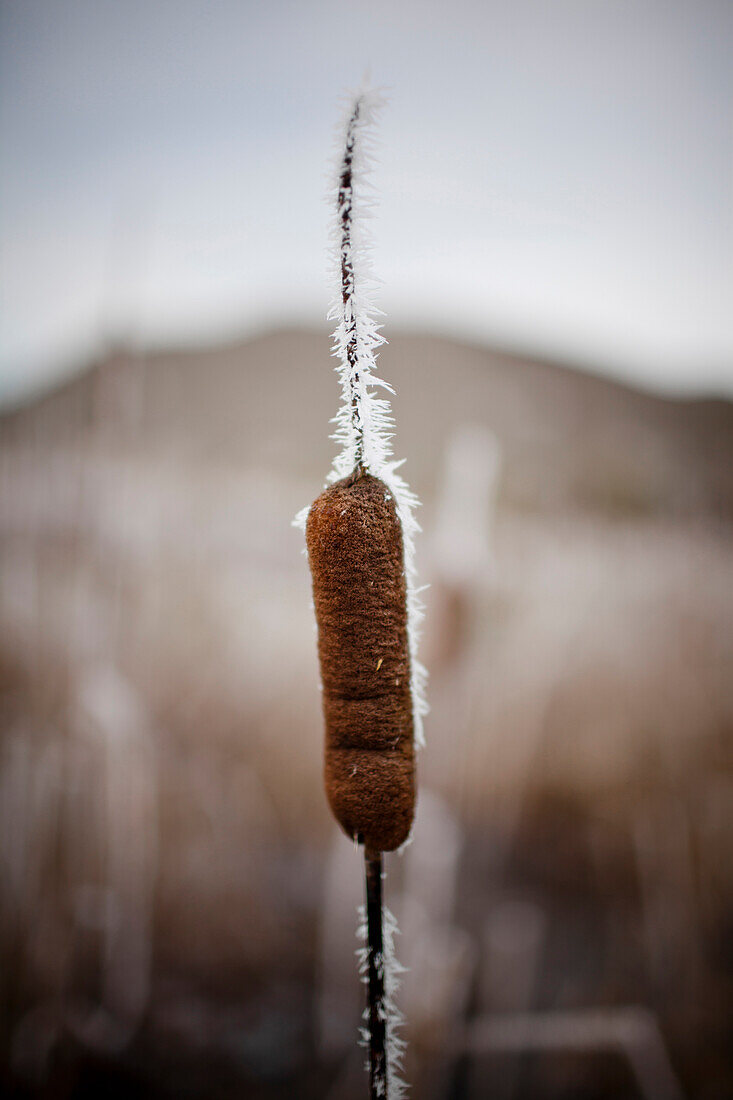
[(375, 975)]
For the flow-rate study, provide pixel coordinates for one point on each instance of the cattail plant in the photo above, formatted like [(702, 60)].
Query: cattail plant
[(359, 536)]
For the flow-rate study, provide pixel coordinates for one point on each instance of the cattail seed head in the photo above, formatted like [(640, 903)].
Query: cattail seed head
[(360, 539), (356, 555)]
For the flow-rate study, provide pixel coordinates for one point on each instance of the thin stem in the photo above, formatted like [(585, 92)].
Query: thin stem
[(375, 996), (345, 209)]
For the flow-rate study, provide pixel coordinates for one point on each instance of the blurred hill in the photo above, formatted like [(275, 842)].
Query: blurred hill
[(569, 439)]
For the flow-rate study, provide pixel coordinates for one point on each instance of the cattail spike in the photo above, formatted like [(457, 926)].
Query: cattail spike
[(359, 535)]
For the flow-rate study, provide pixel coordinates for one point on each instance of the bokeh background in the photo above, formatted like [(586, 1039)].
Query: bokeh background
[(555, 235)]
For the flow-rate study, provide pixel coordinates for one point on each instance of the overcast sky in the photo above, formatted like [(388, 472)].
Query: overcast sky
[(556, 175)]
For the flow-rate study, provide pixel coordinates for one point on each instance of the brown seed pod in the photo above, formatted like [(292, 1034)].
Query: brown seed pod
[(356, 558)]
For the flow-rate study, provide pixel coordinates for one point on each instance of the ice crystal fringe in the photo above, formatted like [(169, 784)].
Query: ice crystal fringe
[(364, 423), (391, 969)]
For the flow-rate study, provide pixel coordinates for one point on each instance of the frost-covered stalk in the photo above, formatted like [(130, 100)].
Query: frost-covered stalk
[(379, 970), (346, 257)]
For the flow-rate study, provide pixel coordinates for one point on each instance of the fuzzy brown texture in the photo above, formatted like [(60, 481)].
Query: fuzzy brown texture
[(356, 558)]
